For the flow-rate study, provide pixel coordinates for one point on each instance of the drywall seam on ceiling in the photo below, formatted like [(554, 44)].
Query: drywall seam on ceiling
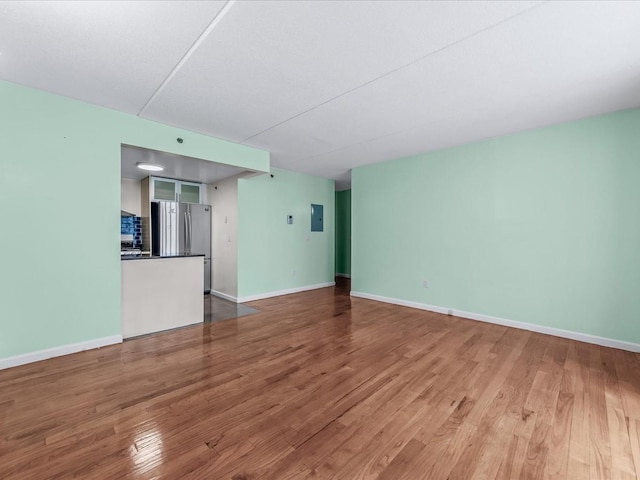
[(556, 332), (31, 357), (194, 46), (434, 52)]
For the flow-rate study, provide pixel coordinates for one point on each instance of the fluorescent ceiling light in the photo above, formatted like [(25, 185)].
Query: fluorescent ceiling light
[(149, 166)]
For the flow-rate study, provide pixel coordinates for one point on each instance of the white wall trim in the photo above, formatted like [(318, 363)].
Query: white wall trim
[(345, 275), (58, 351), (261, 296), (224, 295), (557, 332)]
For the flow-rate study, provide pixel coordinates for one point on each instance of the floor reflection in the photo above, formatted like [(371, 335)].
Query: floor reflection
[(217, 309), (146, 452)]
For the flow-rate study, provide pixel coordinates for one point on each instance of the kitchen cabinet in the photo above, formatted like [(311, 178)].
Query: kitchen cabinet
[(190, 192), (175, 190), (160, 294)]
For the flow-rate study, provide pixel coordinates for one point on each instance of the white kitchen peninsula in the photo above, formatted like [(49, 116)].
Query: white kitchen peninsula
[(160, 293)]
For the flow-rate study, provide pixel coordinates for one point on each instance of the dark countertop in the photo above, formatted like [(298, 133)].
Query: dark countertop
[(148, 256)]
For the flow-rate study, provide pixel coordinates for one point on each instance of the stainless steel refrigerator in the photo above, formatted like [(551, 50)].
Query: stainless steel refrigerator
[(182, 229)]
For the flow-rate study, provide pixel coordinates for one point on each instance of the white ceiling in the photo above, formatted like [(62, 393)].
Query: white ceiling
[(175, 166), (328, 85)]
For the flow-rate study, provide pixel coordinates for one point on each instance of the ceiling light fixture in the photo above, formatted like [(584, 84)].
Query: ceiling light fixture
[(150, 167)]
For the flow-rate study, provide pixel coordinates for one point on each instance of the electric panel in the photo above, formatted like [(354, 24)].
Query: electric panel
[(317, 224)]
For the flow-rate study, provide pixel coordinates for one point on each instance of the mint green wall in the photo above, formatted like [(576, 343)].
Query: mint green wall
[(60, 212), (540, 227), (343, 232), (269, 250)]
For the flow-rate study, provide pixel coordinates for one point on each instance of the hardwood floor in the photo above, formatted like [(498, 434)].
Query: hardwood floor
[(318, 385)]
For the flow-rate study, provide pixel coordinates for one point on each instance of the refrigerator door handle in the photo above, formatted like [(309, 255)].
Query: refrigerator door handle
[(190, 231), (186, 230)]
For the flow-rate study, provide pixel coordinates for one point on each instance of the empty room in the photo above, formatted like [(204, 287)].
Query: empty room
[(359, 239)]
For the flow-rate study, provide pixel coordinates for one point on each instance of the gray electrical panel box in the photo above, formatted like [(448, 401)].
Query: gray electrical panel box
[(317, 224)]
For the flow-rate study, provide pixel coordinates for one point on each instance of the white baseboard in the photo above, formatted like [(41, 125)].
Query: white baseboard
[(224, 295), (58, 351), (261, 296), (557, 332), (345, 275)]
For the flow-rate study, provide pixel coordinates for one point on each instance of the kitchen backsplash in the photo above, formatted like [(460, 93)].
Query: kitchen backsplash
[(131, 230)]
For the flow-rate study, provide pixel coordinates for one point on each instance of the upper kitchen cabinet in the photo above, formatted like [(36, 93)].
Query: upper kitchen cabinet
[(164, 189), (190, 192), (175, 190)]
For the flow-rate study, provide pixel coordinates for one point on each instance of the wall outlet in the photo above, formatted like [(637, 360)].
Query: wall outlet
[(294, 273), (425, 283)]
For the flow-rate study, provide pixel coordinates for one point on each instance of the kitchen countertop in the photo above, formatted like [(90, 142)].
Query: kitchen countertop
[(148, 256)]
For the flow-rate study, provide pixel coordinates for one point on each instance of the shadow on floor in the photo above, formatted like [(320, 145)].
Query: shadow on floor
[(217, 309), (343, 285)]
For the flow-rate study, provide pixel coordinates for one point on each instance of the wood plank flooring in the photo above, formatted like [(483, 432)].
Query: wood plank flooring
[(321, 386)]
